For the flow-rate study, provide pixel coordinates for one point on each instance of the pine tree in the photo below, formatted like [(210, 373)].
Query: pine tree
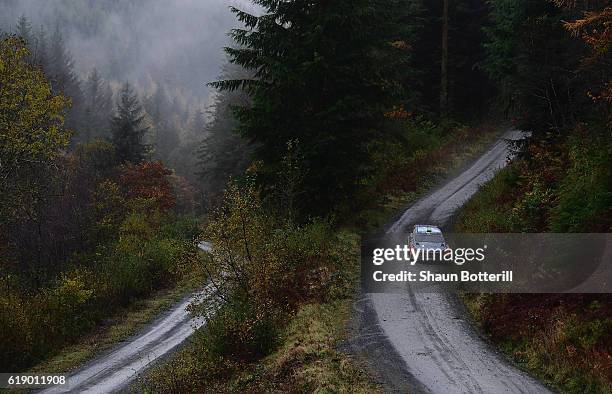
[(165, 120), (128, 129), (157, 104), (318, 82), (39, 51), (198, 124), (98, 106), (444, 63), (24, 30), (222, 153), (401, 25), (59, 68), (448, 54)]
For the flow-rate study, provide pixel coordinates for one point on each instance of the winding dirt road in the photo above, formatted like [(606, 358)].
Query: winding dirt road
[(420, 342), (119, 367)]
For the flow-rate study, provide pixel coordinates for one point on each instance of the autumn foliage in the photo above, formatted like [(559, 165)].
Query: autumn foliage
[(148, 181), (262, 269)]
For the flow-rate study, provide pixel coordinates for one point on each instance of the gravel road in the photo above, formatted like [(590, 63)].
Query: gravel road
[(421, 342)]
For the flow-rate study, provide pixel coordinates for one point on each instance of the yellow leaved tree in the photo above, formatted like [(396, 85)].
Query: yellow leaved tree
[(32, 130)]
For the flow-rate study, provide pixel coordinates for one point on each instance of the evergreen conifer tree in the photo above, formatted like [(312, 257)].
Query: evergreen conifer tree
[(59, 68), (128, 129), (318, 84), (24, 29), (98, 106)]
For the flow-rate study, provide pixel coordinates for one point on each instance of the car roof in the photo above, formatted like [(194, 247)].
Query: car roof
[(426, 229)]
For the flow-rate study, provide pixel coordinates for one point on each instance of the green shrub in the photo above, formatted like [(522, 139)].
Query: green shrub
[(34, 325), (16, 322), (530, 212), (67, 302), (488, 210), (186, 228), (237, 332), (139, 261), (267, 266), (585, 193)]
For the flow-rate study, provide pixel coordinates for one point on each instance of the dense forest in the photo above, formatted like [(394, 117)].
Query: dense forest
[(120, 146)]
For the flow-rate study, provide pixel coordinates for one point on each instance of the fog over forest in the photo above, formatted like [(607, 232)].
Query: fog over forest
[(167, 51), (143, 41)]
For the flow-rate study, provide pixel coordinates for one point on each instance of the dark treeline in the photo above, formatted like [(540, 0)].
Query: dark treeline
[(329, 81)]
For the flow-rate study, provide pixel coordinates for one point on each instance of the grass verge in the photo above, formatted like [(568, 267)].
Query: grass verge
[(308, 360)]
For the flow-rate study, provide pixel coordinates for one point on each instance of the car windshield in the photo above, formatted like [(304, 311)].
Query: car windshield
[(434, 238), (427, 230)]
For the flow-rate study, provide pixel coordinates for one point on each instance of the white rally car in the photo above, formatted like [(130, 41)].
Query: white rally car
[(427, 237)]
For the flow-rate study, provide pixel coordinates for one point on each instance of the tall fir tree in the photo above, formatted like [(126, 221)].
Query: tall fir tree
[(197, 124), (39, 50), (24, 29), (165, 119), (98, 107), (403, 22), (59, 68), (222, 152), (448, 54), (128, 130), (317, 84)]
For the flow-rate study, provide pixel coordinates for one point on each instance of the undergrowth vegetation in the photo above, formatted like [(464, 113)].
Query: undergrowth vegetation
[(265, 270), (419, 156), (562, 182), (120, 241), (152, 250), (564, 338)]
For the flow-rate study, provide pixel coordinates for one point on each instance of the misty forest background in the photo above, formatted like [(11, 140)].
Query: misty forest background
[(127, 133)]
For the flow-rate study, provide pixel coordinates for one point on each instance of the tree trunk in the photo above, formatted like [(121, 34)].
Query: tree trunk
[(444, 63)]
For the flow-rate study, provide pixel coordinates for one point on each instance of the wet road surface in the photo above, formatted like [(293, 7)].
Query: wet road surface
[(421, 342)]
